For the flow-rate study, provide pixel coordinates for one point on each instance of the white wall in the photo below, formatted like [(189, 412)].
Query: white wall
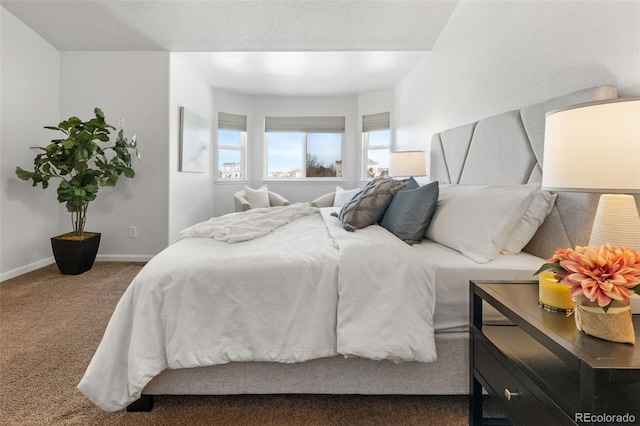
[(30, 94), (191, 194), (496, 56), (41, 86), (133, 86)]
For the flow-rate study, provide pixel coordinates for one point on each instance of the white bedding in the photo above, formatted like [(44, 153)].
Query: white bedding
[(453, 272), (386, 296), (307, 290)]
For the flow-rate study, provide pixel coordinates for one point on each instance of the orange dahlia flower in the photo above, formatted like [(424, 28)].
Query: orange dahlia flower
[(602, 273)]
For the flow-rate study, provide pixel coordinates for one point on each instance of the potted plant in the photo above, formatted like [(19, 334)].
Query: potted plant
[(83, 164)]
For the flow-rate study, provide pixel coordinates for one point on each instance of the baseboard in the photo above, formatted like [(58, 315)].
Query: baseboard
[(48, 261), (124, 257), (26, 268)]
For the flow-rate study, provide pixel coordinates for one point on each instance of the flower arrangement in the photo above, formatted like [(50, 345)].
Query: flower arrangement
[(601, 274)]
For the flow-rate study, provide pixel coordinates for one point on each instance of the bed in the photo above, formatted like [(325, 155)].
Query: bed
[(331, 320)]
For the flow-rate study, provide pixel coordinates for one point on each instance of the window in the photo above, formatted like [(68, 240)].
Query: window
[(376, 142), (232, 140), (304, 147)]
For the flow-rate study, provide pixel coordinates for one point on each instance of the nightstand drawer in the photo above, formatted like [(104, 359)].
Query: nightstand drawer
[(516, 396)]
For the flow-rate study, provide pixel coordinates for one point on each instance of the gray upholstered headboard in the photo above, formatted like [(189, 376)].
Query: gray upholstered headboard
[(507, 149)]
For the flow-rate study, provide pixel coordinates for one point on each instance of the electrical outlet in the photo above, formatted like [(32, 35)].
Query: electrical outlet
[(133, 232), (121, 122)]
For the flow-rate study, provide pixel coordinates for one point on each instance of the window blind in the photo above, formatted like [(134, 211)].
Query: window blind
[(304, 124), (232, 121), (380, 121)]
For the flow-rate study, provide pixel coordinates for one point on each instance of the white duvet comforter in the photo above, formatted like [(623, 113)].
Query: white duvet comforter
[(307, 290)]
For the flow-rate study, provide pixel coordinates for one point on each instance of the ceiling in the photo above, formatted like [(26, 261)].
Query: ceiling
[(296, 47)]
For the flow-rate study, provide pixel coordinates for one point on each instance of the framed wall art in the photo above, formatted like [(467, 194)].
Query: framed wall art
[(194, 142)]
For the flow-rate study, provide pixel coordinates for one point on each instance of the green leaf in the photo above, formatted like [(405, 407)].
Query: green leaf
[(84, 136), (69, 123), (81, 154), (99, 114), (553, 267), (91, 188), (68, 143), (129, 172), (23, 174)]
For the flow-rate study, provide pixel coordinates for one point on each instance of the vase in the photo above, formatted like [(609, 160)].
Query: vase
[(614, 325), (75, 255)]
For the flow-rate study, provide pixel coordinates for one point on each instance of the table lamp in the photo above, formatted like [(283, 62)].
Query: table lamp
[(407, 164), (595, 147)]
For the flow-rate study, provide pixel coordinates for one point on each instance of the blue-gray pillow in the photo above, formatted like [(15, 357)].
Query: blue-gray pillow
[(410, 183), (410, 212)]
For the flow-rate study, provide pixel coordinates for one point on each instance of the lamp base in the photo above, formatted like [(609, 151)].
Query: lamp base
[(634, 302), (617, 222)]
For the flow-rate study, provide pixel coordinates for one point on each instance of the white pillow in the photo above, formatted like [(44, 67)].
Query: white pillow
[(477, 220), (343, 196), (527, 226), (257, 197)]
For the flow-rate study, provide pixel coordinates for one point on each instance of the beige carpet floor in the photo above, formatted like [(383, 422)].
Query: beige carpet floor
[(51, 324)]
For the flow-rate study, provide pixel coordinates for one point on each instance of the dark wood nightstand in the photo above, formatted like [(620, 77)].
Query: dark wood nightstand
[(542, 369)]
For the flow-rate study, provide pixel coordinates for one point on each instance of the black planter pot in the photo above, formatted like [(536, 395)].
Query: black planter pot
[(75, 255)]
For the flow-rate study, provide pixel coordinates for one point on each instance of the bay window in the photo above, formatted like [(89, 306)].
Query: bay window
[(232, 141), (303, 147), (376, 143)]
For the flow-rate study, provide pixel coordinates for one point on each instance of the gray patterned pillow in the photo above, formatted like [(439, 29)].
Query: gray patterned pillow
[(368, 206)]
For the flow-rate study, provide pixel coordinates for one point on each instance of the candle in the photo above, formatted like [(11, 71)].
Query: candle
[(552, 295)]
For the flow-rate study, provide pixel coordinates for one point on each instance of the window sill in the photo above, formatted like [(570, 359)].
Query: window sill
[(232, 182), (304, 180)]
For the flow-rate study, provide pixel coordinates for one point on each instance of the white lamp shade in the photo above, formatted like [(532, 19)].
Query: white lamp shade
[(407, 163), (596, 148), (593, 148)]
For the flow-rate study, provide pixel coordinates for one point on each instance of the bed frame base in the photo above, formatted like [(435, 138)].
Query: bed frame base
[(337, 375), (144, 404)]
